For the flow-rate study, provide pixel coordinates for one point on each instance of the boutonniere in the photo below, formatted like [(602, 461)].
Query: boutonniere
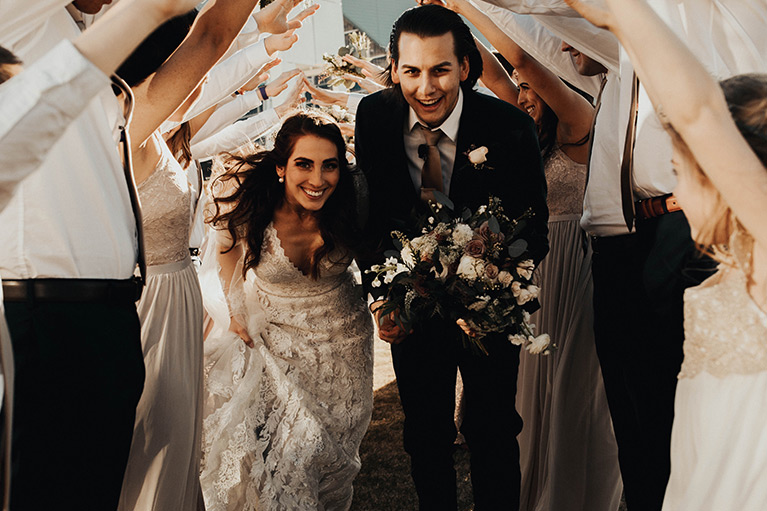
[(478, 157)]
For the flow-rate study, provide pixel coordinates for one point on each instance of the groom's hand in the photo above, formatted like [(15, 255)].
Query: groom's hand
[(388, 330)]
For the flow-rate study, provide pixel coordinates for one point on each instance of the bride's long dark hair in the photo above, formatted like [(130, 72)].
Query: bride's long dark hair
[(257, 193)]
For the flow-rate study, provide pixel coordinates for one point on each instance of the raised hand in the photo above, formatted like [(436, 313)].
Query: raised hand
[(294, 96), (273, 19), (366, 83), (325, 97), (277, 86), (595, 11), (297, 20), (370, 70), (280, 42), (453, 5), (260, 76)]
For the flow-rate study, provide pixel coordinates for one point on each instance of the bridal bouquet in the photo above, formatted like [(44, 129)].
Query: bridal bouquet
[(336, 67), (472, 270)]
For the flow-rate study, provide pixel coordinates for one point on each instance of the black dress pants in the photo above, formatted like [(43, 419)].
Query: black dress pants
[(79, 376), (639, 281), (425, 364)]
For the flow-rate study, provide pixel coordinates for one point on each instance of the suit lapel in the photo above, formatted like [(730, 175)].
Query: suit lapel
[(462, 144)]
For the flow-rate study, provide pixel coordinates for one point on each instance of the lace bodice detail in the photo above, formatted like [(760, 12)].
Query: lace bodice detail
[(566, 182), (165, 208), (276, 274), (725, 331)]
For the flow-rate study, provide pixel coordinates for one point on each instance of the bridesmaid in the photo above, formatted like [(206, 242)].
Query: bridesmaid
[(164, 462), (568, 454)]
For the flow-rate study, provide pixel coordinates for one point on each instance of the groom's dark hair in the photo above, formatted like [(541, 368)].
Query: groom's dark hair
[(434, 21)]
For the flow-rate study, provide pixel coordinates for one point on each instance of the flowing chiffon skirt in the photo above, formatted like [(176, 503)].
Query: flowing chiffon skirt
[(568, 454), (164, 463)]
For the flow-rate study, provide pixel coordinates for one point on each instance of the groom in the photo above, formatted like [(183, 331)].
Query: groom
[(411, 139)]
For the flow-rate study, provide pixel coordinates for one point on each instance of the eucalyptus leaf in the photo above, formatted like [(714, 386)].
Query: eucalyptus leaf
[(443, 199), (391, 253), (466, 214), (517, 248), (343, 50), (493, 224), (397, 243)]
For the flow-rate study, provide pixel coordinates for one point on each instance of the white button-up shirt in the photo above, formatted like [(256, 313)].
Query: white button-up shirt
[(446, 145), (71, 218), (728, 37)]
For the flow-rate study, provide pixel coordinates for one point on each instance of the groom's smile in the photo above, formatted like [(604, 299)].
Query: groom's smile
[(429, 74)]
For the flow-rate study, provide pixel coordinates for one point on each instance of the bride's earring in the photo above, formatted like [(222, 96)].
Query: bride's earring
[(281, 179)]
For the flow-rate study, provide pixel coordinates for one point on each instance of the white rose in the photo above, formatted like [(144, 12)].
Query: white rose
[(525, 269), (478, 155), (505, 278), (517, 339), (524, 296), (516, 289), (466, 268), (538, 344)]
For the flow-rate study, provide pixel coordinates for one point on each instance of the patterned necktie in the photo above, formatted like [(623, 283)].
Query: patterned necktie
[(431, 172)]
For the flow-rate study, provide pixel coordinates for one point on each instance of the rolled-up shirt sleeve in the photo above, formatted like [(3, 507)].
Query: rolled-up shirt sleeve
[(36, 107)]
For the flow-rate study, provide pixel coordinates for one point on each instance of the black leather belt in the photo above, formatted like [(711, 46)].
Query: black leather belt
[(72, 290)]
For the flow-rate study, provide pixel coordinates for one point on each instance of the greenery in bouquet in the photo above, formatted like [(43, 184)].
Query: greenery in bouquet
[(336, 67), (471, 269)]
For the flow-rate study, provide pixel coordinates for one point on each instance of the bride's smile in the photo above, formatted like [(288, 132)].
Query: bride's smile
[(311, 174)]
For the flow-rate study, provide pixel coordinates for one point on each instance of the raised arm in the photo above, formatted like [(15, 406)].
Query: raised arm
[(212, 34), (693, 104), (573, 111), (495, 77)]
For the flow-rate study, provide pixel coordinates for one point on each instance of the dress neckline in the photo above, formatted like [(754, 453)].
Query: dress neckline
[(277, 244)]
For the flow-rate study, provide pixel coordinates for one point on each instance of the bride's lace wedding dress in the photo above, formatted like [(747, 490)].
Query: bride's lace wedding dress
[(284, 420)]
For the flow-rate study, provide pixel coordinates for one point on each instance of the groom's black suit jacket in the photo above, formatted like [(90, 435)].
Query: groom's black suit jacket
[(513, 171)]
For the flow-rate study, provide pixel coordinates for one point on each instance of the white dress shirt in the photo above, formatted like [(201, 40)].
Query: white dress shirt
[(228, 76), (727, 37), (236, 135), (71, 218), (446, 145), (226, 114)]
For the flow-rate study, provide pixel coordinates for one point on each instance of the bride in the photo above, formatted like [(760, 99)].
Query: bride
[(289, 384)]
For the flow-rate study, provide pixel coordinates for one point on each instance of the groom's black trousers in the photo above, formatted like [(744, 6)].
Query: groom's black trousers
[(425, 364), (79, 376), (639, 281)]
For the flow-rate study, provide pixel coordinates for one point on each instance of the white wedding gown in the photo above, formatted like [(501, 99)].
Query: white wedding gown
[(719, 439), (284, 420)]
